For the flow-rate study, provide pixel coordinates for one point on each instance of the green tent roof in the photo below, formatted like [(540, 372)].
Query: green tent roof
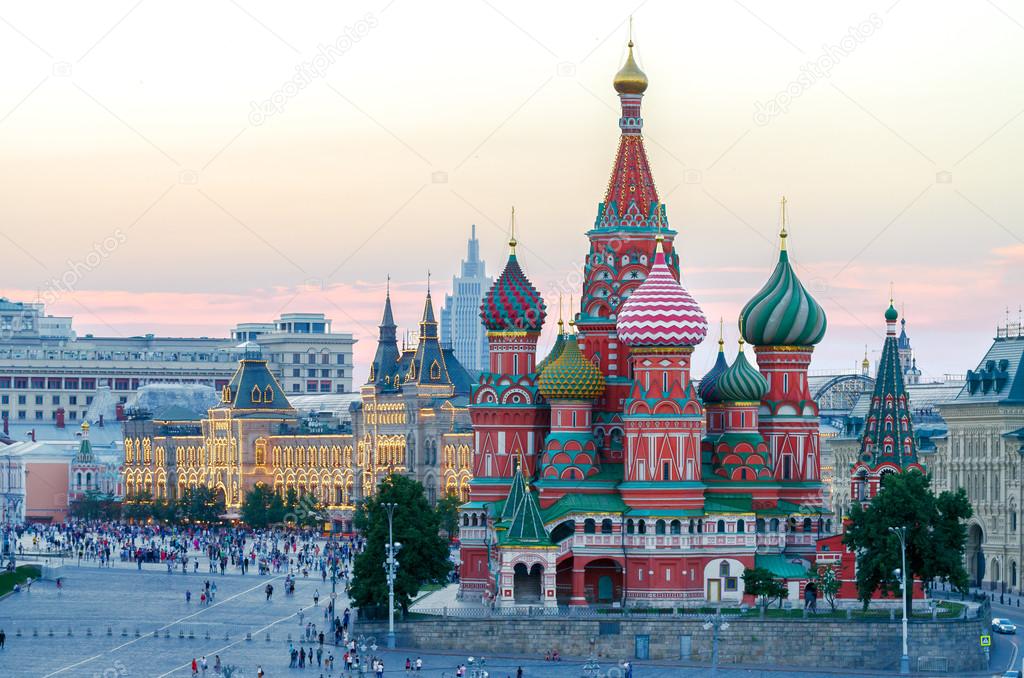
[(584, 503), (729, 503), (781, 567)]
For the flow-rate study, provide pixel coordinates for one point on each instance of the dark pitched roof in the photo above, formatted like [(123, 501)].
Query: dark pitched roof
[(461, 379), (429, 366), (254, 387), (385, 361), (999, 377)]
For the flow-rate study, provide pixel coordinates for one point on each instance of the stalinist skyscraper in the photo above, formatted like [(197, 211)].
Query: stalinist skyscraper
[(460, 315)]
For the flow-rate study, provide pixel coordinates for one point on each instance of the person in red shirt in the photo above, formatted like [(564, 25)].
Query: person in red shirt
[(195, 667)]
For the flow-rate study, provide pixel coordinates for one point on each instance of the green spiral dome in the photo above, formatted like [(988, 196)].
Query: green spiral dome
[(783, 313), (571, 376), (741, 382)]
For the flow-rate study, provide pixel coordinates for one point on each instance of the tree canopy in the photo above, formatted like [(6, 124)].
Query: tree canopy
[(96, 505), (261, 507), (762, 584), (200, 504), (448, 514), (936, 535), (423, 557)]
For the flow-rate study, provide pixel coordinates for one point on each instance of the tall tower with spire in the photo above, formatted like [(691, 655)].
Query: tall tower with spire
[(661, 323), (509, 415), (460, 316), (888, 445), (384, 367), (783, 323), (622, 249)]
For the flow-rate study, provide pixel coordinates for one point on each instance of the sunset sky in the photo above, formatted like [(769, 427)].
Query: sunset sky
[(161, 171)]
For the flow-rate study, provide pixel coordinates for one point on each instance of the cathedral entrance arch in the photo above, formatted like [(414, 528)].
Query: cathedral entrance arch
[(603, 581), (526, 583)]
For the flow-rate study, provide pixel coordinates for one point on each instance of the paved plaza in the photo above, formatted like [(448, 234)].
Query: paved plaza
[(121, 601)]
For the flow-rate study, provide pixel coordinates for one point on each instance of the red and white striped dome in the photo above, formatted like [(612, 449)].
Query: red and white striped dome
[(660, 312)]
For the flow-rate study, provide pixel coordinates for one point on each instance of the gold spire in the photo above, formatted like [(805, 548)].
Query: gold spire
[(782, 233), (892, 296), (865, 363), (512, 240), (721, 334), (572, 317), (561, 324), (630, 79)]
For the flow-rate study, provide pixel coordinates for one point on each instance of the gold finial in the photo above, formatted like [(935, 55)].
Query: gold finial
[(428, 282), (741, 342), (572, 316), (388, 293), (630, 79), (512, 239), (892, 293), (782, 233), (560, 322), (721, 334)]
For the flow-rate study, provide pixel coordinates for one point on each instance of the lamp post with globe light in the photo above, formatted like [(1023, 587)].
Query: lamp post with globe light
[(901, 534), (717, 622), (391, 567)]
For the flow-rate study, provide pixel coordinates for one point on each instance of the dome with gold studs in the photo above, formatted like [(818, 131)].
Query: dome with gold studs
[(630, 79)]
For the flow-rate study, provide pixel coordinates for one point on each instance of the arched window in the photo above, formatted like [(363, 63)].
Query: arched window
[(692, 526), (740, 526), (807, 525), (759, 525), (1013, 519), (589, 526), (774, 525), (606, 526), (630, 528), (721, 526), (659, 527), (641, 527), (675, 527), (465, 520), (473, 521), (700, 527), (723, 568)]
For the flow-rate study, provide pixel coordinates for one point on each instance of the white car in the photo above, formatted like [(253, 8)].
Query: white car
[(1001, 625)]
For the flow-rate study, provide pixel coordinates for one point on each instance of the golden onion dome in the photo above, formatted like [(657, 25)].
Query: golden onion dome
[(630, 79)]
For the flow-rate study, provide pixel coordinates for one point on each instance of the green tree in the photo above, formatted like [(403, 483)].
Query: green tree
[(256, 506), (423, 557), (165, 510), (762, 584), (200, 504), (936, 535), (828, 583), (138, 506), (448, 514), (95, 505)]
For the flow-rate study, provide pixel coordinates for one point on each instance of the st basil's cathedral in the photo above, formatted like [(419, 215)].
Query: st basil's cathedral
[(603, 474)]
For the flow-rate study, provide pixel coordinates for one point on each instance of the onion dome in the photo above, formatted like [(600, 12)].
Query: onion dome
[(741, 382), (556, 350), (513, 304), (708, 388), (630, 79), (661, 312), (571, 376), (891, 314), (783, 313)]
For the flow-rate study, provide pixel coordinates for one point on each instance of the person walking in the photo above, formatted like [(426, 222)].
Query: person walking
[(3, 639), (195, 667), (259, 671)]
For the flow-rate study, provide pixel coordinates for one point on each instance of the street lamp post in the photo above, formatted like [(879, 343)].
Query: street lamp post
[(717, 623), (391, 567), (901, 533)]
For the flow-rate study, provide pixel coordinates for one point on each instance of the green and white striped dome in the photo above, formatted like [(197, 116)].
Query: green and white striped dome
[(783, 313), (741, 382)]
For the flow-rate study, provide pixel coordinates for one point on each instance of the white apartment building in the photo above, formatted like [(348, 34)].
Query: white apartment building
[(49, 374)]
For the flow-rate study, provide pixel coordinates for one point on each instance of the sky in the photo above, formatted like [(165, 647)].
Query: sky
[(177, 168)]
